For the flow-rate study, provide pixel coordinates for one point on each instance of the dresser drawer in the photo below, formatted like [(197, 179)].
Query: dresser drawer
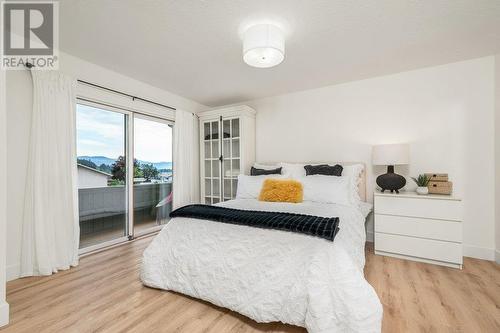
[(416, 207), (419, 247), (425, 228)]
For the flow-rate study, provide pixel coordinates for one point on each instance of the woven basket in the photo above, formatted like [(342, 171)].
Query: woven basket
[(437, 177), (440, 187)]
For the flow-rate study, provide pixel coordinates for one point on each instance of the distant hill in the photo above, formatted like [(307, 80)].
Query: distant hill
[(98, 160), (160, 165)]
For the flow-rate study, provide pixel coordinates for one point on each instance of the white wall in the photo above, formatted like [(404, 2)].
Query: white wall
[(89, 179), (497, 156), (19, 104), (446, 113), (4, 307)]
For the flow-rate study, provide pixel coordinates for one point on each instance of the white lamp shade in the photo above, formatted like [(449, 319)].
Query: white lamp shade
[(263, 46), (391, 154)]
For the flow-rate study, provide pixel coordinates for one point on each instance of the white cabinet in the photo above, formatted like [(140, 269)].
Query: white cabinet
[(422, 228), (227, 149)]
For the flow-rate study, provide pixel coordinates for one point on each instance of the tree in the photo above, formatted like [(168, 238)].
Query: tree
[(119, 169), (137, 170), (104, 168), (149, 171)]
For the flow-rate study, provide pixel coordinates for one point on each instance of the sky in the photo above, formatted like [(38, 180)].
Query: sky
[(101, 133)]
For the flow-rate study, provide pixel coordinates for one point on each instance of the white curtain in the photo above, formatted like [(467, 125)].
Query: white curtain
[(186, 176), (50, 237)]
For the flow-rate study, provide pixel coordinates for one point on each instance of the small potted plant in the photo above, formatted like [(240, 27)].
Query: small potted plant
[(422, 181)]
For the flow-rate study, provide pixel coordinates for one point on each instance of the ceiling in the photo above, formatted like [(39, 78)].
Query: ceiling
[(193, 48)]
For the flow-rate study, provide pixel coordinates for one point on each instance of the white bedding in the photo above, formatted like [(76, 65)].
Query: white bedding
[(270, 275)]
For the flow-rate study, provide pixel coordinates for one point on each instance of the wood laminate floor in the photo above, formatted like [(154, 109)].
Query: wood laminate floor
[(104, 294)]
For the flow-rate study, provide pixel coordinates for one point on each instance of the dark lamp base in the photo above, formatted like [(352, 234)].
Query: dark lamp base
[(391, 181)]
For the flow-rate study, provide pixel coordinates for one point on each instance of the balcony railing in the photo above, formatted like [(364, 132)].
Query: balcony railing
[(103, 209)]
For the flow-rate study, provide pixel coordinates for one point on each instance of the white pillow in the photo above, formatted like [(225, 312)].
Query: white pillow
[(327, 189), (353, 172), (293, 171), (265, 166), (249, 186)]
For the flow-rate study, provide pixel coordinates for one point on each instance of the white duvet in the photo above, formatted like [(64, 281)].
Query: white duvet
[(270, 275)]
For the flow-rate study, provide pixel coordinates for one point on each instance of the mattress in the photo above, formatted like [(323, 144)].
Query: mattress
[(270, 275)]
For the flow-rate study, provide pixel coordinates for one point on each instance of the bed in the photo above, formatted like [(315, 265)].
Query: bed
[(270, 275)]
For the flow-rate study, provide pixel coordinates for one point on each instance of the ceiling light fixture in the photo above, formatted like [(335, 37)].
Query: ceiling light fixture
[(263, 46)]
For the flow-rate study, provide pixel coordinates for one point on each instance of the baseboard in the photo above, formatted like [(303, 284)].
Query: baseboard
[(4, 313), (497, 256), (479, 252), (427, 261), (12, 272)]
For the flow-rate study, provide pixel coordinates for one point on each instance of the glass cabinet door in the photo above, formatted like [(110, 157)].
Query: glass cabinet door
[(231, 156), (211, 142)]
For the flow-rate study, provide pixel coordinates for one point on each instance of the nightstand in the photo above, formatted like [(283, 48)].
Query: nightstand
[(426, 228)]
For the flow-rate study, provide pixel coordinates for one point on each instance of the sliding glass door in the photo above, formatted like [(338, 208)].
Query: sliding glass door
[(125, 169), (152, 173), (102, 174)]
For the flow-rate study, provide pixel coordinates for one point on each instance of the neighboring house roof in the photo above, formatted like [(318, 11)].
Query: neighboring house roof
[(95, 170)]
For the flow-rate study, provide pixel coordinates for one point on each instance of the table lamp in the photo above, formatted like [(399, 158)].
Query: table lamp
[(390, 155)]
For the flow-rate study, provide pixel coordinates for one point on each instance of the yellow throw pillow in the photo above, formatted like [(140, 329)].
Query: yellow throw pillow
[(281, 190)]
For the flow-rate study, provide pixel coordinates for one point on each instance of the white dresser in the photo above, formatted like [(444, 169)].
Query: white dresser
[(425, 228)]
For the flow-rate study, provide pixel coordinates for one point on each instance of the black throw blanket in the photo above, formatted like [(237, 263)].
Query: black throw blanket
[(324, 227)]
